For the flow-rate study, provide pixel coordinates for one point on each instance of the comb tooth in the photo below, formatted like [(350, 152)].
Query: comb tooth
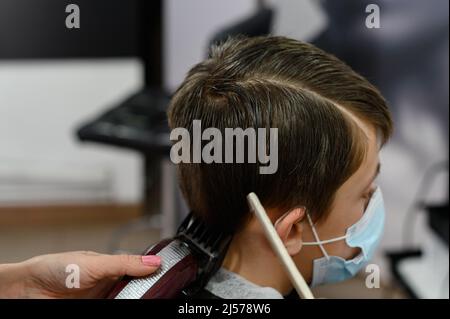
[(209, 240), (187, 226), (216, 242), (192, 221), (195, 226), (204, 235), (220, 243), (213, 239), (199, 230), (189, 223)]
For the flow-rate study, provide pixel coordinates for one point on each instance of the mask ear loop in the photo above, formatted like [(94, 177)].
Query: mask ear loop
[(316, 236), (284, 215)]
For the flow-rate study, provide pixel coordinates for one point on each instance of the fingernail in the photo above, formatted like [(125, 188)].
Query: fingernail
[(151, 260)]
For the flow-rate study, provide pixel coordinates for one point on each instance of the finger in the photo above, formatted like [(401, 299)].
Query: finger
[(131, 265)]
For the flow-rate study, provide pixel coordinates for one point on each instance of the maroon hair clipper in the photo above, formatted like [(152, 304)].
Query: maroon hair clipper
[(187, 263)]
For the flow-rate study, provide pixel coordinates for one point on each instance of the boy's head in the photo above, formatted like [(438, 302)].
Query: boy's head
[(323, 111)]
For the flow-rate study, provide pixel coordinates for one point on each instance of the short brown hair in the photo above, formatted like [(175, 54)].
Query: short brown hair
[(309, 95)]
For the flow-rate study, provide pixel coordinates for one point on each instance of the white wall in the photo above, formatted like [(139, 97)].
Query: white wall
[(41, 105)]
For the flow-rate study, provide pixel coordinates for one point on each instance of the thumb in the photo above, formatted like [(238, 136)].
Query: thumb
[(131, 265)]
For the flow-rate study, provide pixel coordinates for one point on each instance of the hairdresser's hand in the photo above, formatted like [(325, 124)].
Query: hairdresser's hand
[(55, 276)]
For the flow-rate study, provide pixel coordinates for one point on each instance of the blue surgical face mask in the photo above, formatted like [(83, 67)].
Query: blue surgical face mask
[(365, 234)]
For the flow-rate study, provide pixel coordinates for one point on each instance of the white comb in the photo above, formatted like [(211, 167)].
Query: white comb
[(295, 276)]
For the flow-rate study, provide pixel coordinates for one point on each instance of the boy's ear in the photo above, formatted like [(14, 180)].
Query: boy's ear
[(290, 229)]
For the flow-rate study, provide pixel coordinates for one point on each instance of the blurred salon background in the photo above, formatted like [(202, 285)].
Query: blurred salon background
[(84, 141)]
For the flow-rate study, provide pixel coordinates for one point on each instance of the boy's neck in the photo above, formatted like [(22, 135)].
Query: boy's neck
[(253, 259)]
